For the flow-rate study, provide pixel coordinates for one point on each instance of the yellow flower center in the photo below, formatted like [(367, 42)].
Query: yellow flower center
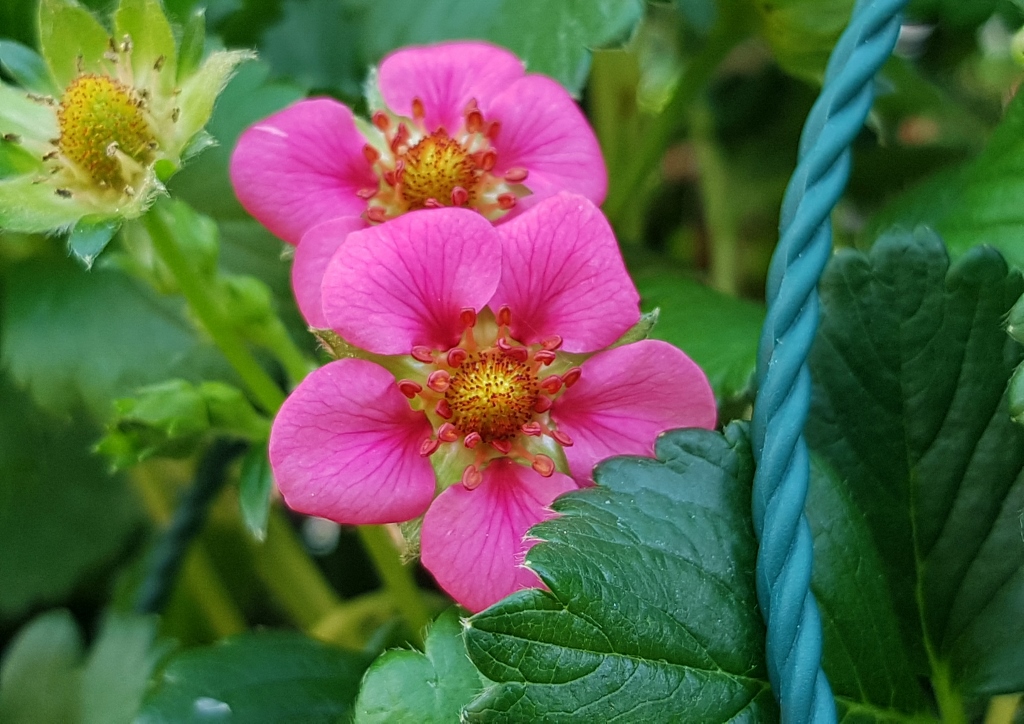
[(100, 117), (492, 394), (434, 168)]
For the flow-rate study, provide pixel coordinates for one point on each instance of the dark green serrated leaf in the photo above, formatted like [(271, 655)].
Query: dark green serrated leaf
[(90, 237), (61, 515), (910, 370), (27, 68), (718, 331), (255, 485), (430, 688), (870, 674), (552, 38), (272, 676), (651, 614)]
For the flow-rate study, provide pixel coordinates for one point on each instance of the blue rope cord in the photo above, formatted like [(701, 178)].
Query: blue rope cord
[(784, 559)]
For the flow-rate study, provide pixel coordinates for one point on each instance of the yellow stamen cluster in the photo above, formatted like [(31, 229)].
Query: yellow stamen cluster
[(492, 394), (99, 119), (435, 167)]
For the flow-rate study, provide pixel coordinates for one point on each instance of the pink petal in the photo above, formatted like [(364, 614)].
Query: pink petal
[(625, 398), (301, 166), (543, 131), (445, 78), (562, 274), (345, 446), (312, 256), (404, 283), (472, 540)]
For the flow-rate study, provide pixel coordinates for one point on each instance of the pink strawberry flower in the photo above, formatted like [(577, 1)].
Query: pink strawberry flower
[(489, 374)]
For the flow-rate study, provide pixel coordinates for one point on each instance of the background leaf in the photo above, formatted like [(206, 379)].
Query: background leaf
[(652, 614), (802, 33)]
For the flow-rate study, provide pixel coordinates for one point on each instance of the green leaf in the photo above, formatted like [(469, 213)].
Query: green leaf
[(430, 688), (90, 237), (719, 332), (910, 371), (952, 13), (39, 679), (152, 42), (272, 676), (803, 33), (61, 516), (870, 674), (27, 68), (553, 38), (70, 39), (78, 338), (651, 614), (255, 484)]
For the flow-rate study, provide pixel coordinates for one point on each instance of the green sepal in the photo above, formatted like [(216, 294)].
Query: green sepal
[(36, 207), (71, 40), (640, 330), (255, 484), (90, 237), (15, 160), (199, 93), (146, 24), (24, 117), (193, 41), (27, 68)]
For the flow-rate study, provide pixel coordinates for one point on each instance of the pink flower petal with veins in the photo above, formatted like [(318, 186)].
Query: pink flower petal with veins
[(625, 398), (404, 283), (311, 259), (345, 446), (544, 131), (562, 273), (473, 540), (445, 78), (302, 166)]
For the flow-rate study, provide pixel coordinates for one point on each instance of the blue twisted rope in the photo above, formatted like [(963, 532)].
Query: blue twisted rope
[(784, 559)]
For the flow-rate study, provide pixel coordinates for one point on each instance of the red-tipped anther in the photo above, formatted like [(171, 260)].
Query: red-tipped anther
[(494, 130), (390, 178), (459, 196), (572, 376), (447, 433), (439, 380), (472, 477), (502, 446), (543, 404), (506, 201), (422, 353), (429, 447), (418, 112), (443, 409), (520, 354), (504, 316), (371, 154), (474, 121), (543, 465), (516, 174), (468, 317), (503, 344), (472, 440), (544, 356), (380, 120), (561, 438), (366, 193), (470, 106), (553, 342), (456, 356), (377, 214), (487, 159), (533, 429), (409, 388), (432, 203), (551, 384), (401, 136)]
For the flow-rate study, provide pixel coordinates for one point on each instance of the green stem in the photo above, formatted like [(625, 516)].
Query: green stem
[(626, 184), (206, 308), (295, 362), (1001, 709), (723, 242), (950, 701), (397, 579)]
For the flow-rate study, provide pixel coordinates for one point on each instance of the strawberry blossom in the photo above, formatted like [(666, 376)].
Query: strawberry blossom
[(487, 374)]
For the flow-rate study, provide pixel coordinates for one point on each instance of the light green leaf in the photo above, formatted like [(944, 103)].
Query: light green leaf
[(39, 679), (152, 42), (255, 484), (651, 613), (429, 688), (27, 68), (71, 40), (910, 371), (803, 33), (15, 160), (271, 676), (90, 237)]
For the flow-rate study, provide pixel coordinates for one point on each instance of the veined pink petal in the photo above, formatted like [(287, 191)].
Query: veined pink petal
[(311, 259), (345, 446), (404, 283), (562, 273), (301, 166), (472, 540), (543, 131), (445, 78), (625, 398)]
